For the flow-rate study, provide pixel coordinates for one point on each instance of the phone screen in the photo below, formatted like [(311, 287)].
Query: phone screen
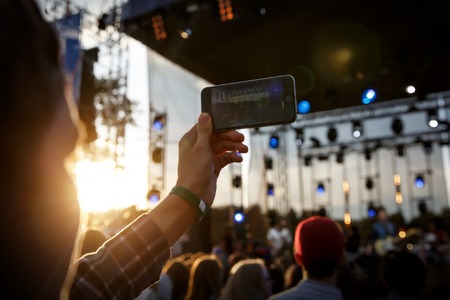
[(253, 103)]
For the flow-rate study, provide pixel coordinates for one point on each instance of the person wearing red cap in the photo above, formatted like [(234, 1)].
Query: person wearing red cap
[(319, 249)]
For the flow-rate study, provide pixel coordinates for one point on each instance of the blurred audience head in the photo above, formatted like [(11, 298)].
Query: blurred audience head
[(205, 278), (404, 273), (248, 279), (178, 273), (319, 246)]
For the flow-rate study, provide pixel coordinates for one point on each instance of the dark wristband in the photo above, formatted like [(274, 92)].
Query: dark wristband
[(190, 197)]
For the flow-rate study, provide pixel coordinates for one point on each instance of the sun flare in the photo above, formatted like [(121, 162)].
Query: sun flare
[(102, 187)]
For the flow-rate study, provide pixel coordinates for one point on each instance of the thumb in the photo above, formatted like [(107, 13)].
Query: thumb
[(204, 128)]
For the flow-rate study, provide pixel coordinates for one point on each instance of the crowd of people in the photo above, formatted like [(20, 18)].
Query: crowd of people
[(42, 259), (320, 266)]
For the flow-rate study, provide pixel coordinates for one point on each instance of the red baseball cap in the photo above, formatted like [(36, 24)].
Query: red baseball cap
[(318, 238)]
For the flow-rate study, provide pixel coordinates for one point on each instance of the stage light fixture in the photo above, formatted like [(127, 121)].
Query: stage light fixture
[(332, 134), (270, 189), (347, 218), (369, 183), (239, 216), (307, 161), (274, 142), (225, 10), (186, 33), (320, 188), (237, 181), (303, 107), (340, 157), (153, 195), (397, 125), (367, 154), (268, 162), (157, 155), (368, 96), (400, 150), (299, 136), (158, 27), (357, 129), (419, 182), (315, 142), (410, 89), (159, 121), (427, 147), (432, 118)]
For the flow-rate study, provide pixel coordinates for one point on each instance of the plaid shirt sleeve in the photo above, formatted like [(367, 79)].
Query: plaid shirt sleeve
[(124, 265)]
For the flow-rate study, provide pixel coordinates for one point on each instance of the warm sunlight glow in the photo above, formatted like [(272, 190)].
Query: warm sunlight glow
[(101, 187)]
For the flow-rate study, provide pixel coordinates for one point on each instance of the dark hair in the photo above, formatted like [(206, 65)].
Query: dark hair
[(321, 268), (405, 273), (31, 79)]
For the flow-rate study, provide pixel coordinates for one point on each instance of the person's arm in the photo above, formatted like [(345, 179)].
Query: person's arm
[(133, 258)]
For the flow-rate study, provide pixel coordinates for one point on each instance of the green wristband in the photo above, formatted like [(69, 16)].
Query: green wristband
[(190, 197)]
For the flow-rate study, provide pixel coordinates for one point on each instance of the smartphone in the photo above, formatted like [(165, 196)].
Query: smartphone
[(252, 103)]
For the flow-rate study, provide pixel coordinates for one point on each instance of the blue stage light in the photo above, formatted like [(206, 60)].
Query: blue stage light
[(369, 96), (274, 142), (320, 188), (159, 122), (419, 182), (239, 217), (303, 107)]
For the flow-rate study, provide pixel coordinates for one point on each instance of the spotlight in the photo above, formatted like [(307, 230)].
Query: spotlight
[(427, 147), (158, 27), (268, 162), (315, 142), (237, 181), (153, 195), (274, 142), (400, 150), (420, 181), (369, 183), (157, 155), (432, 118), (357, 129), (368, 96), (410, 89), (332, 134), (303, 107), (307, 161), (158, 122), (299, 136), (320, 188), (367, 154), (225, 10), (340, 157), (397, 125), (371, 210), (186, 33), (270, 189), (239, 216)]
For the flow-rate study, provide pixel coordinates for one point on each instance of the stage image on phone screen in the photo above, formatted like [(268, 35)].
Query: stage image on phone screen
[(252, 103)]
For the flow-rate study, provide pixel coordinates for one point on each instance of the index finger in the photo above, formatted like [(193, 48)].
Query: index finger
[(231, 135)]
